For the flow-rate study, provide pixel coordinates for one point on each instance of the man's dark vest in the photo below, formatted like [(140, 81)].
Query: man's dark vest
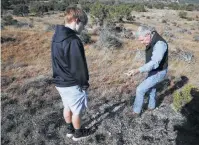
[(149, 50)]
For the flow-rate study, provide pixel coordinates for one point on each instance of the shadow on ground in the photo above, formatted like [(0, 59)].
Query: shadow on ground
[(167, 91), (188, 132)]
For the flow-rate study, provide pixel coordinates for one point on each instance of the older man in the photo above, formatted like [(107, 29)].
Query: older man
[(156, 65)]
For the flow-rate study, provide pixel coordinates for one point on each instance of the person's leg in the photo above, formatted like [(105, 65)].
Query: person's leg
[(67, 115), (79, 105), (152, 96), (66, 112), (80, 133), (76, 121), (68, 119), (152, 99), (140, 92)]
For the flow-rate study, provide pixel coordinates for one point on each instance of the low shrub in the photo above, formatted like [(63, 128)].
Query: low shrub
[(8, 20), (182, 14), (85, 37), (181, 98), (107, 40)]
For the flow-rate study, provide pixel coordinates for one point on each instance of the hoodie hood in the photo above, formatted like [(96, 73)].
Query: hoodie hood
[(62, 33)]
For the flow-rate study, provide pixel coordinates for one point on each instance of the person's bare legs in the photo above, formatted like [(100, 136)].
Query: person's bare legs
[(68, 119), (80, 133), (76, 119), (67, 116)]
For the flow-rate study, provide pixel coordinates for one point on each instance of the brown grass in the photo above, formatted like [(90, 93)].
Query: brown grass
[(30, 48)]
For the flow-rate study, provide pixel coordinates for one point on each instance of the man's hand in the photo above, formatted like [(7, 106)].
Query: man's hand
[(132, 72)]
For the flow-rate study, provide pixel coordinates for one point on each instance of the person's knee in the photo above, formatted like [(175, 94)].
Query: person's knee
[(67, 111), (76, 120), (140, 90), (67, 116)]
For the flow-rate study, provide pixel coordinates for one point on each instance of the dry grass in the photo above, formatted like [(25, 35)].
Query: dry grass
[(30, 48)]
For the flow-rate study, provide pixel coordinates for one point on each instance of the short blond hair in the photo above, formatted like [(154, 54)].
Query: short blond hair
[(74, 12)]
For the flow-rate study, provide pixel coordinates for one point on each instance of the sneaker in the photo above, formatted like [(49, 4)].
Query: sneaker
[(150, 110), (70, 131), (81, 134), (132, 115)]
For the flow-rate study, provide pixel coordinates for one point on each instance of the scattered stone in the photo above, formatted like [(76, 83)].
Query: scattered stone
[(196, 38), (168, 34)]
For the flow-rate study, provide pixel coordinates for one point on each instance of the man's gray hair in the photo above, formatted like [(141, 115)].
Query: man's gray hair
[(144, 30)]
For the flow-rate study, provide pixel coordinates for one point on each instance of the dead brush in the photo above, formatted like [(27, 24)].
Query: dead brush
[(85, 37), (139, 55), (182, 55), (108, 40)]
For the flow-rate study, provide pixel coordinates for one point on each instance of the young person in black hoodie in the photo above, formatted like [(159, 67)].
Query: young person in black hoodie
[(70, 72)]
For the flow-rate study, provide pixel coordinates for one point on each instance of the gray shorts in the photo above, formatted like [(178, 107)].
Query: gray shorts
[(73, 99)]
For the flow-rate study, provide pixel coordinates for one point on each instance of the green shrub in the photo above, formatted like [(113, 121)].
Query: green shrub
[(5, 4), (99, 11), (117, 13), (182, 98), (8, 20), (86, 6), (182, 14), (189, 7), (149, 5), (159, 6), (51, 5), (38, 8), (139, 8), (59, 7), (85, 37), (174, 6), (21, 10), (182, 7)]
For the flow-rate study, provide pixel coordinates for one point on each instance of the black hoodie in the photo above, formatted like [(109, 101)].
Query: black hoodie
[(68, 59)]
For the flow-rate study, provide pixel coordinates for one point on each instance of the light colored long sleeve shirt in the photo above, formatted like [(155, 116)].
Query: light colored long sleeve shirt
[(157, 55)]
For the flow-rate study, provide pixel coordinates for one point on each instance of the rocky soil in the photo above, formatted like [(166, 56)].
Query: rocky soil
[(32, 115)]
